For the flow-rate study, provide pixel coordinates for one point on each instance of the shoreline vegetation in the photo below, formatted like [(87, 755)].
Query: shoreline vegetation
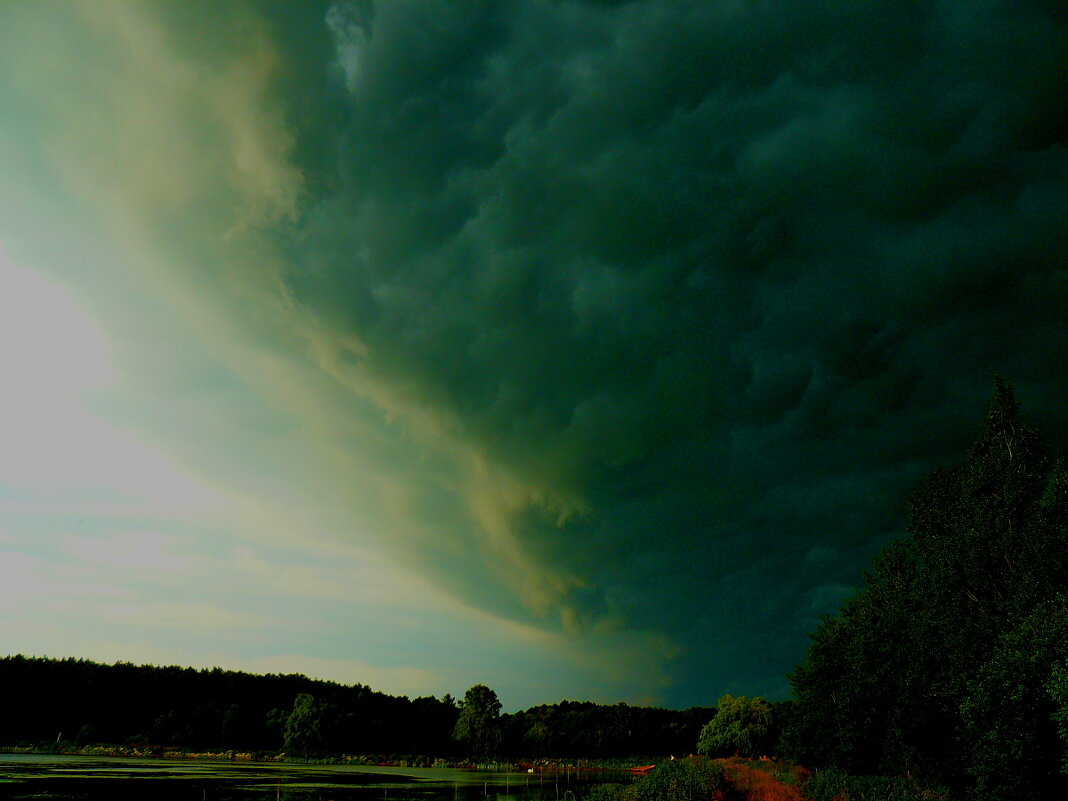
[(944, 676), (693, 778)]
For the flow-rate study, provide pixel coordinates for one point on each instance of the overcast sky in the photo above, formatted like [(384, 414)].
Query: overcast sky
[(582, 349)]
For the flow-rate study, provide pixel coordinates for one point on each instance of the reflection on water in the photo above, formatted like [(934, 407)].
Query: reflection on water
[(108, 779)]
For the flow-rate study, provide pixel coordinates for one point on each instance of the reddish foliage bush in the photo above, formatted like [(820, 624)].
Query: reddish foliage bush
[(749, 783)]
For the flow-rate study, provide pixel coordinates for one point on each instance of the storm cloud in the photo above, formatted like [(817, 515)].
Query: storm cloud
[(702, 289), (651, 314)]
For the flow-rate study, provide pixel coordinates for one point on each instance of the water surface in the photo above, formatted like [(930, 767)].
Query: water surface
[(37, 776)]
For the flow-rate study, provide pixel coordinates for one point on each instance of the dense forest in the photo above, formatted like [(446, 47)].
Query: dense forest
[(949, 667), (79, 702), (951, 664)]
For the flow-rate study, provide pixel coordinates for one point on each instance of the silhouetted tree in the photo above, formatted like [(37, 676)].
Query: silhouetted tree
[(478, 725), (304, 729)]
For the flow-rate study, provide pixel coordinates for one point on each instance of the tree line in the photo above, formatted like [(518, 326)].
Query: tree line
[(574, 729), (77, 702), (82, 702)]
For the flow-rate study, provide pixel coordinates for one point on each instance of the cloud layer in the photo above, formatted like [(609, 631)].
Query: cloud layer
[(631, 324), (696, 292)]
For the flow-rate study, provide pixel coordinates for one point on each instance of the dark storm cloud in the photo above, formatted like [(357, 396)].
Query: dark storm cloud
[(726, 278)]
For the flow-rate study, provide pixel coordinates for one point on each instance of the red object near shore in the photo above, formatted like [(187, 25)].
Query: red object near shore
[(642, 769)]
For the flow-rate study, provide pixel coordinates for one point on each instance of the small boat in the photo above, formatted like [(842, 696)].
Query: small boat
[(642, 768)]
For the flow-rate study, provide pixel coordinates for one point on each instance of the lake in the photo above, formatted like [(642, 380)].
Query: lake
[(38, 776)]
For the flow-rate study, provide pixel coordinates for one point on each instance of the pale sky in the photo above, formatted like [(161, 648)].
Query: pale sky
[(114, 550)]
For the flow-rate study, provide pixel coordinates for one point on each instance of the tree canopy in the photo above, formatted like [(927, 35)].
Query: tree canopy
[(308, 728), (942, 665), (479, 723), (741, 726)]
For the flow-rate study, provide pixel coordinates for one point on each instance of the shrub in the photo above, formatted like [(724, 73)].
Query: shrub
[(677, 780), (836, 785)]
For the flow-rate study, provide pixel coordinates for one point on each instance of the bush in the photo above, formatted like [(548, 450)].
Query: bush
[(836, 785), (677, 780)]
